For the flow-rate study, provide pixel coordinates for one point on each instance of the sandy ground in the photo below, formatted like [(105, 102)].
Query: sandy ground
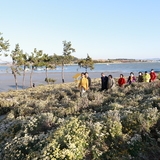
[(7, 81)]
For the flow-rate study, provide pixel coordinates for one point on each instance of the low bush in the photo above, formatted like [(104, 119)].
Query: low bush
[(54, 122)]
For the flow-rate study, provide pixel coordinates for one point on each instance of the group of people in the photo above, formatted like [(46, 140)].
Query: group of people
[(147, 77), (108, 82), (142, 77), (85, 82)]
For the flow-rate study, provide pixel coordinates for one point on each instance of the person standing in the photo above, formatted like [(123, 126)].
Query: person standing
[(89, 79), (104, 80), (83, 84), (131, 78), (111, 82), (140, 77), (152, 75), (121, 80), (146, 77)]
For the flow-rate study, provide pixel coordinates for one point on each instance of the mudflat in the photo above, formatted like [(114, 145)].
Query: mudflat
[(7, 81)]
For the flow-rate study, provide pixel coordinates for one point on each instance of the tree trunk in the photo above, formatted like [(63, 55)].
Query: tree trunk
[(62, 73), (47, 75), (31, 83), (15, 78), (24, 73), (86, 69)]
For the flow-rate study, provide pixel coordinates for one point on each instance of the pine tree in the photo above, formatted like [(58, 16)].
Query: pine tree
[(4, 46), (86, 63), (16, 65)]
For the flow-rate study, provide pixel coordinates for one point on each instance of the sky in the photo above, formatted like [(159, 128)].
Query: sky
[(104, 29)]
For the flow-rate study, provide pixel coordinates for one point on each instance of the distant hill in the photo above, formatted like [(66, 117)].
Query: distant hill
[(4, 62), (153, 59)]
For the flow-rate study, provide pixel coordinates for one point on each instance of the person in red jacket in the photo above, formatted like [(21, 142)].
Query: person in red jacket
[(152, 75), (121, 80)]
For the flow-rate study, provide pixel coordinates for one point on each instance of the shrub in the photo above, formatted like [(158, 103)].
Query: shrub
[(49, 80), (69, 141)]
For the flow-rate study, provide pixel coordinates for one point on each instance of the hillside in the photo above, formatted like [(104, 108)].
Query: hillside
[(54, 122)]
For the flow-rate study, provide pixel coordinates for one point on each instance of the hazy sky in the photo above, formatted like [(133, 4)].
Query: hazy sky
[(102, 28)]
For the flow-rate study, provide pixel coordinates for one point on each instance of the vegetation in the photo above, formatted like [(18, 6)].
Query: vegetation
[(37, 59), (86, 63), (48, 80), (54, 122), (49, 63), (16, 62), (66, 58), (4, 45)]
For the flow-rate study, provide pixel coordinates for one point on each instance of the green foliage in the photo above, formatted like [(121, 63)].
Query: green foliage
[(4, 45), (66, 58), (86, 63), (35, 60), (69, 141), (50, 80)]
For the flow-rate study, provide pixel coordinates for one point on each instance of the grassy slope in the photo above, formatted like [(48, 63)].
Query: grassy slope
[(54, 122)]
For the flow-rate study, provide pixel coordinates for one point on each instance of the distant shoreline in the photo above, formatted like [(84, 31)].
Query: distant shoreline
[(115, 62)]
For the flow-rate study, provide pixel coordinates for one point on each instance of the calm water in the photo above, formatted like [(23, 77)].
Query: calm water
[(121, 67)]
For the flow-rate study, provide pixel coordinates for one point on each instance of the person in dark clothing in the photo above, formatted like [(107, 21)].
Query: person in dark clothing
[(104, 80), (140, 77), (131, 78), (89, 79)]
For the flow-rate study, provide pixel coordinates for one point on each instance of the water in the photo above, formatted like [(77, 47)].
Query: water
[(119, 67)]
